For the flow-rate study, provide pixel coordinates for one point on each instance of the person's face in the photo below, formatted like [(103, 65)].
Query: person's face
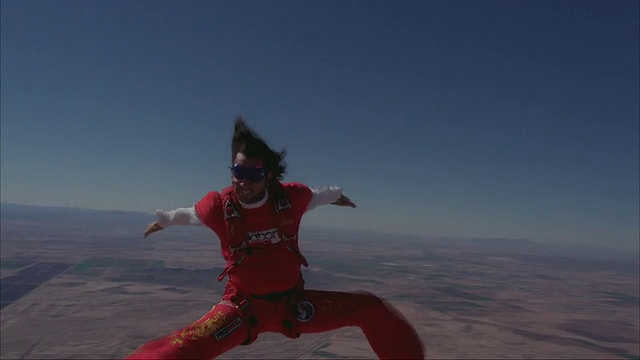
[(246, 190)]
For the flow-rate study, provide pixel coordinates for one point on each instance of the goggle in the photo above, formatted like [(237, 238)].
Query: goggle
[(252, 173)]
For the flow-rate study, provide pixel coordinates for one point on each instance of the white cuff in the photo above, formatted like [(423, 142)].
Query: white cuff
[(180, 216), (324, 196)]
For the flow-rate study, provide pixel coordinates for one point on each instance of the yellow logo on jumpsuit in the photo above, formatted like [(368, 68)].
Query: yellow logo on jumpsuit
[(199, 329)]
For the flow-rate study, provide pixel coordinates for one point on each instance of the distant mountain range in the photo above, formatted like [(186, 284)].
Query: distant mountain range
[(70, 215), (504, 243), (498, 245), (116, 219)]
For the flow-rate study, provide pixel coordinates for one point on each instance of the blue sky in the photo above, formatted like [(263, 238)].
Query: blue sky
[(439, 118)]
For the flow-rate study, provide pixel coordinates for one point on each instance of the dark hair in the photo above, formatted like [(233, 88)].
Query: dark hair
[(252, 145)]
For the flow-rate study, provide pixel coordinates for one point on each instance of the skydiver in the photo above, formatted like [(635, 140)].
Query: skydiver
[(257, 220)]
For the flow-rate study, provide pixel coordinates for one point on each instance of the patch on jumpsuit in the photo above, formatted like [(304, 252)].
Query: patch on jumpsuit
[(201, 329), (234, 324), (306, 310)]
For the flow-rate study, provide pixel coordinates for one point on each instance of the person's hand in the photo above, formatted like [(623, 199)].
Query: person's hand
[(344, 201), (153, 227)]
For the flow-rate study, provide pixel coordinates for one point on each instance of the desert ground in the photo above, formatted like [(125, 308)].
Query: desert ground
[(86, 291)]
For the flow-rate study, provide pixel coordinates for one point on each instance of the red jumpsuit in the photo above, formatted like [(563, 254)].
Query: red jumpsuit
[(265, 290)]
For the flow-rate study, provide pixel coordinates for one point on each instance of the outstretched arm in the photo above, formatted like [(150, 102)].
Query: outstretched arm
[(328, 195), (165, 218)]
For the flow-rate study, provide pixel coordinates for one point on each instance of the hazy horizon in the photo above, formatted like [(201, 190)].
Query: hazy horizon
[(466, 243)]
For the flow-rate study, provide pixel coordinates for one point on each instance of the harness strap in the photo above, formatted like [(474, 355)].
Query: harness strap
[(247, 315), (291, 244), (230, 210), (238, 245), (274, 296), (290, 319), (229, 267), (291, 297)]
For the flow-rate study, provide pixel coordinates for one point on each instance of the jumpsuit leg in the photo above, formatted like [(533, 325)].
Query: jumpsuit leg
[(218, 331), (388, 332)]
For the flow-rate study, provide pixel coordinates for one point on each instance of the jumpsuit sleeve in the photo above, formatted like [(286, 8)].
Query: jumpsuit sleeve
[(209, 210)]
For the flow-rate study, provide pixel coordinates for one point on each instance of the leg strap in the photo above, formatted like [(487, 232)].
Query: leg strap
[(247, 313), (294, 313)]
